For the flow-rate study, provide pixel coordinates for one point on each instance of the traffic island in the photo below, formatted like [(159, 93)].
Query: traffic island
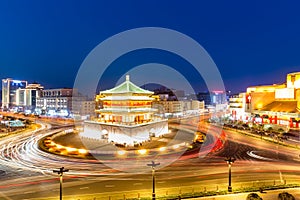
[(69, 143)]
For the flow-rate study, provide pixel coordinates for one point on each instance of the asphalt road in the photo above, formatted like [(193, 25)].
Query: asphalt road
[(27, 172)]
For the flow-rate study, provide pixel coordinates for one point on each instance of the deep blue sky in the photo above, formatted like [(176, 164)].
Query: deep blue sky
[(251, 43)]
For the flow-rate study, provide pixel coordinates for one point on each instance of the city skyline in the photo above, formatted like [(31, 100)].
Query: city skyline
[(149, 100), (47, 42)]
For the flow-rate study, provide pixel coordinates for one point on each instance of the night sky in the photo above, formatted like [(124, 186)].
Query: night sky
[(251, 42)]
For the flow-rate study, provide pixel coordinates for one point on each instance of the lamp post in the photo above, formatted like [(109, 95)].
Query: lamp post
[(153, 165), (60, 172), (229, 161)]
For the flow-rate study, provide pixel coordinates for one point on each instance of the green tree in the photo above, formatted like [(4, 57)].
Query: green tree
[(270, 130), (285, 196), (253, 196), (280, 133)]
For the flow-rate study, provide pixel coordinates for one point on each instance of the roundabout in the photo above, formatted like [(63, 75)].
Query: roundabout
[(24, 152), (193, 167), (178, 144)]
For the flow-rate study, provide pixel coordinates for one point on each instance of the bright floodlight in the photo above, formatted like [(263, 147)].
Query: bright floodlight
[(142, 151)]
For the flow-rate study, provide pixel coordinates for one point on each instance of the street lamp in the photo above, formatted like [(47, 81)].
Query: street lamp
[(229, 161), (153, 165), (60, 172)]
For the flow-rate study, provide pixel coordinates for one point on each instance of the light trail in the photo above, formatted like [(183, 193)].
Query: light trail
[(22, 153), (252, 154)]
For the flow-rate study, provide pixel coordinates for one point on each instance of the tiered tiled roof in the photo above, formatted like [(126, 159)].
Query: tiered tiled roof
[(127, 87)]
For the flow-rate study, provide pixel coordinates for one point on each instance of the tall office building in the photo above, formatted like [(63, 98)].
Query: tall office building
[(9, 92)]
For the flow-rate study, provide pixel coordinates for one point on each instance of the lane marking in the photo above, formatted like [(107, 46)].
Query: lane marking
[(251, 153), (138, 184), (109, 186), (163, 181)]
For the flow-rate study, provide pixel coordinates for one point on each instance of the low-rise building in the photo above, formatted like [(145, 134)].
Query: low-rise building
[(197, 105), (237, 107), (55, 99), (179, 106), (276, 104), (84, 107), (27, 97)]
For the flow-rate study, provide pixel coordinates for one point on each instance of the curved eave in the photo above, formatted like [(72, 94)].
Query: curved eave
[(126, 98), (127, 87)]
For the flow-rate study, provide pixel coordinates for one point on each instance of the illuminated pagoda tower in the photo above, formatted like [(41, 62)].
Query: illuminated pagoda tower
[(127, 116)]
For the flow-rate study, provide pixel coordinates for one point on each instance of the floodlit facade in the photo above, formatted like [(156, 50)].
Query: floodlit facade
[(55, 99), (26, 97), (276, 104), (180, 106), (237, 107), (9, 92), (126, 117), (83, 107)]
